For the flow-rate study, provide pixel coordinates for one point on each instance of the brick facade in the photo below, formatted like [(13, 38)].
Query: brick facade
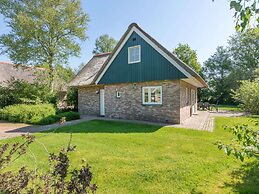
[(185, 100), (89, 100), (174, 108)]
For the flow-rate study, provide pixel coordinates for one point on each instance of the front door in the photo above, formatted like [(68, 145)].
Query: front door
[(102, 109)]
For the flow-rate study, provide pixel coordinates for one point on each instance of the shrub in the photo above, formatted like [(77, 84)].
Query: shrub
[(248, 96), (24, 113), (23, 92), (72, 97), (55, 118), (56, 180)]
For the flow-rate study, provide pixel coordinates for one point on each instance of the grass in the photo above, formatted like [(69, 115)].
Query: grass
[(229, 108), (135, 158)]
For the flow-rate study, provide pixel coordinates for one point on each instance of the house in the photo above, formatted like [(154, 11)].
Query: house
[(139, 80)]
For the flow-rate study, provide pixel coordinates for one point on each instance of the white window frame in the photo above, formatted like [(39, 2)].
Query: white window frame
[(129, 48), (149, 95)]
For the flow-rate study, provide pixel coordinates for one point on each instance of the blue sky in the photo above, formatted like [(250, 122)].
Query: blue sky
[(202, 24)]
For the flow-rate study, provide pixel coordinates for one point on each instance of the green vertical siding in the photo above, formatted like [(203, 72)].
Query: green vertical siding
[(153, 66)]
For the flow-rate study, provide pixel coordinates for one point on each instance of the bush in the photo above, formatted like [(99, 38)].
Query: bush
[(72, 97), (23, 92), (59, 179), (248, 96), (55, 118), (24, 113)]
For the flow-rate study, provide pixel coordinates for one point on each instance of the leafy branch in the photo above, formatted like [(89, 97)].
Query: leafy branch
[(245, 143)]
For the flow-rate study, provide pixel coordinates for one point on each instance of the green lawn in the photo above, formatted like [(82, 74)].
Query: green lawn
[(134, 158), (229, 107)]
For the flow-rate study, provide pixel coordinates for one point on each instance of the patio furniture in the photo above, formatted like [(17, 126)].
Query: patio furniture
[(200, 105), (206, 106)]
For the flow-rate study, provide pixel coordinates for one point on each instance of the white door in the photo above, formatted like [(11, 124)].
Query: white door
[(102, 110)]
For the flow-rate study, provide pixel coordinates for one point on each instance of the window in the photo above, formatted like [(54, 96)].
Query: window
[(134, 54), (152, 95)]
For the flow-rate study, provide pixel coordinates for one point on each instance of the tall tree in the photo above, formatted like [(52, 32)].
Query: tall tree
[(244, 51), (217, 70), (104, 43), (188, 56), (43, 32)]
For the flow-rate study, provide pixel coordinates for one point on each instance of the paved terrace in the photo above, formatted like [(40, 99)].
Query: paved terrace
[(203, 120)]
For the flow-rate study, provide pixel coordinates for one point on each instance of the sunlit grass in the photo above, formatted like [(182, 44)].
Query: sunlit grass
[(134, 158)]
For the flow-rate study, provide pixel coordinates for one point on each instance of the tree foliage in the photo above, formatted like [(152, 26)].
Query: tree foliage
[(23, 92), (248, 96), (188, 56), (217, 70), (43, 32), (245, 143), (104, 43), (229, 65), (246, 11), (244, 51)]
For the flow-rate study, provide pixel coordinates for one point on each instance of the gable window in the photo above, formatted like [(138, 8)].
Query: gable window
[(134, 54), (152, 95)]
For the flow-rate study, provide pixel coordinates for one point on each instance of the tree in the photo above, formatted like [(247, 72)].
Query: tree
[(104, 43), (217, 70), (245, 11), (62, 76), (43, 32), (244, 51), (188, 56)]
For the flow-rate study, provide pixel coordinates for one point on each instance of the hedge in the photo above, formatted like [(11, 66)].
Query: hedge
[(24, 113), (55, 118), (41, 114)]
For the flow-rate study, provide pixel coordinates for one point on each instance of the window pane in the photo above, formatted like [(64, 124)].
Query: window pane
[(155, 95), (146, 95), (152, 95), (158, 95), (134, 54)]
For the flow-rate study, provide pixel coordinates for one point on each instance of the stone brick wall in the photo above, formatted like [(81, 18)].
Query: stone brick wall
[(175, 108), (89, 100), (129, 105), (185, 98)]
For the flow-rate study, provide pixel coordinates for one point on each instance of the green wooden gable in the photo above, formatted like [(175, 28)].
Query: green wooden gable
[(153, 65)]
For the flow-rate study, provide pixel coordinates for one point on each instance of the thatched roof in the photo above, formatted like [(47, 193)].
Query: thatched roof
[(21, 72), (90, 70)]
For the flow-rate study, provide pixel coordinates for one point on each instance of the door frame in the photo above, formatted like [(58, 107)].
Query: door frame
[(102, 104)]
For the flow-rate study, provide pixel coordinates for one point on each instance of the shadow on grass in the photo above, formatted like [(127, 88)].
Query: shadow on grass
[(101, 126), (245, 179)]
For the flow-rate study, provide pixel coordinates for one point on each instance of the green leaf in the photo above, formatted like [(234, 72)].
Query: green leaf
[(237, 6)]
